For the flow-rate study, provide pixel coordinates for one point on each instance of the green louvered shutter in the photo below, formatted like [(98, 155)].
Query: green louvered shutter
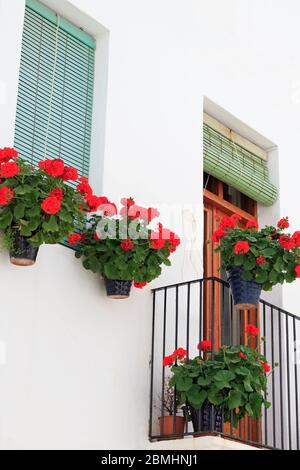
[(57, 61), (237, 167)]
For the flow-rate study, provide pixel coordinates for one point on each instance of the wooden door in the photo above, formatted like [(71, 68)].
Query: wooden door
[(225, 324)]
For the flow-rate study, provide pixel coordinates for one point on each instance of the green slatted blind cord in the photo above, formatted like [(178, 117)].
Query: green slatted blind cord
[(237, 167), (55, 93)]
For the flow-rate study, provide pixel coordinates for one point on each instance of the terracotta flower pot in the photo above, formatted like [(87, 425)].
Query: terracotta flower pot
[(117, 289), (23, 253), (167, 424), (245, 294)]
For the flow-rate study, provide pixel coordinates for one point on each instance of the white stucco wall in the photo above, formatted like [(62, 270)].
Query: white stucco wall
[(74, 365)]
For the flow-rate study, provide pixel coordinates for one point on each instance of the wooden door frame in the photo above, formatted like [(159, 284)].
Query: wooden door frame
[(212, 203)]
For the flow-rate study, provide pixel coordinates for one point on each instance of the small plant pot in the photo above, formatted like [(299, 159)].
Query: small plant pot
[(167, 425), (117, 289), (245, 294), (23, 253), (207, 419)]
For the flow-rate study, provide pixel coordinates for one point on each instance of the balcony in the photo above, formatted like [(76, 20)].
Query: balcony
[(186, 313)]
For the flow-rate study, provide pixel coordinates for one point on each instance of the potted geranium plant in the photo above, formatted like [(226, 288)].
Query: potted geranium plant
[(36, 205), (256, 259), (171, 423), (231, 382), (123, 248)]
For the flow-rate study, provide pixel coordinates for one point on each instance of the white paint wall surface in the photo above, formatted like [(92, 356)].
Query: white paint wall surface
[(75, 372)]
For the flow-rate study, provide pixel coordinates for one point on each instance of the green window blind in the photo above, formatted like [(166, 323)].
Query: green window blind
[(55, 93), (237, 167)]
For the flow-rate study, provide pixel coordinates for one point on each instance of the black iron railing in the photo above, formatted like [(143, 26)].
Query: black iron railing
[(186, 313)]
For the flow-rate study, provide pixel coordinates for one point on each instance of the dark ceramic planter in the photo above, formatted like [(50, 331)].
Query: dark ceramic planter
[(23, 253), (117, 289), (207, 419), (245, 294)]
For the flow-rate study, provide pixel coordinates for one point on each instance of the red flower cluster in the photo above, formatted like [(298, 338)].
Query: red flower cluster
[(242, 355), (164, 238), (252, 224), (179, 353), (241, 248), (55, 167), (83, 187), (168, 360), (58, 193), (126, 245), (296, 238), (288, 243), (266, 366), (9, 170), (297, 270), (225, 224), (6, 195), (205, 345), (252, 329), (217, 235), (74, 238), (51, 205), (260, 260), (127, 201), (139, 285), (7, 154), (283, 223)]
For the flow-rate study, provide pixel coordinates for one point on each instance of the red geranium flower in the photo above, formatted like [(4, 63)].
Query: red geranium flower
[(242, 355), (156, 243), (266, 366), (288, 243), (297, 270), (252, 224), (94, 202), (136, 212), (180, 352), (9, 170), (58, 193), (50, 205), (7, 154), (55, 167), (283, 223), (70, 173), (252, 329), (260, 260), (296, 238), (6, 195), (126, 245), (168, 361), (74, 238), (228, 222), (241, 248), (217, 235), (109, 209), (139, 285), (84, 188), (205, 345), (127, 201)]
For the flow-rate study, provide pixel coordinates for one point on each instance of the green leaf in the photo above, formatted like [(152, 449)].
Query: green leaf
[(204, 381), (183, 384), (214, 396), (19, 210), (33, 211), (5, 220), (196, 397), (234, 400), (247, 386), (249, 264), (249, 409), (224, 376), (242, 371), (261, 276)]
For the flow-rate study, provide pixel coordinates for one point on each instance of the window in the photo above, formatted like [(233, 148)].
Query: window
[(55, 94)]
